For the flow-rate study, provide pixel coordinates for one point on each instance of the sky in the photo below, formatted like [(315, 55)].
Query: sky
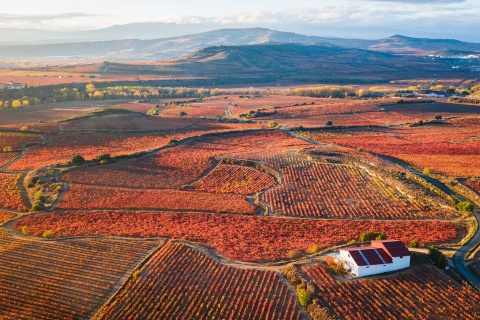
[(355, 18)]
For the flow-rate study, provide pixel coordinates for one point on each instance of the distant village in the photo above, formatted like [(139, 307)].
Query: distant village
[(13, 86)]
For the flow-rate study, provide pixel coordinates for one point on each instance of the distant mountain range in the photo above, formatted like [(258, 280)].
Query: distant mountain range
[(165, 48)]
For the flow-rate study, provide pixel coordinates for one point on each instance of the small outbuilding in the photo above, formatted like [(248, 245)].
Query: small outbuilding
[(382, 256)]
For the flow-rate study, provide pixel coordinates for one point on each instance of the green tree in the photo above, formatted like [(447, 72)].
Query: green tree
[(77, 159), (329, 123), (25, 230), (414, 243), (304, 297), (438, 257)]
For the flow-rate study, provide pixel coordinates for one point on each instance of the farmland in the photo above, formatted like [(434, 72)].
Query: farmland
[(207, 289), (194, 215), (239, 237), (83, 274), (420, 293)]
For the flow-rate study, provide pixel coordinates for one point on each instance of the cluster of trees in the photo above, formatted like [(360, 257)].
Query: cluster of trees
[(369, 236), (324, 92)]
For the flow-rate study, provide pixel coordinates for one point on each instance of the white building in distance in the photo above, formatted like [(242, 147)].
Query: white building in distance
[(382, 256)]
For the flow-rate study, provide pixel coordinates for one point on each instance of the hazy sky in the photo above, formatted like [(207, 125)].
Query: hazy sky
[(440, 18)]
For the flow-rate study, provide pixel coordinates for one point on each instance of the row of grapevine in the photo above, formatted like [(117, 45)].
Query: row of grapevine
[(235, 179), (17, 140), (61, 280), (180, 282), (6, 157), (424, 293), (338, 191), (242, 237)]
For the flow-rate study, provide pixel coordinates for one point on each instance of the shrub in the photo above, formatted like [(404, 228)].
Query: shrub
[(292, 254), (304, 297), (314, 248), (272, 124), (38, 206), (414, 243), (369, 236), (329, 123), (427, 171), (438, 117), (103, 156), (7, 149), (25, 230), (464, 206), (173, 141), (359, 149), (77, 159), (47, 234), (40, 197), (438, 257), (182, 114), (24, 128)]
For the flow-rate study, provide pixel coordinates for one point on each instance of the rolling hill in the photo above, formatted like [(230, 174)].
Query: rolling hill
[(165, 48)]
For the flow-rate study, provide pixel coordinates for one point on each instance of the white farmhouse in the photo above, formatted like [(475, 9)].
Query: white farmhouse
[(382, 256)]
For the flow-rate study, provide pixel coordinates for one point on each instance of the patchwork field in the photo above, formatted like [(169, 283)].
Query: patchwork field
[(181, 282), (239, 237), (84, 273)]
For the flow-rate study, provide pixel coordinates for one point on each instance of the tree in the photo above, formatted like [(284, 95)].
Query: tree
[(329, 123), (438, 257), (182, 114), (25, 230), (7, 149), (438, 117), (16, 104), (77, 159), (314, 248), (427, 171), (464, 206), (414, 243), (292, 254), (273, 124), (304, 297), (369, 236), (90, 88), (47, 234)]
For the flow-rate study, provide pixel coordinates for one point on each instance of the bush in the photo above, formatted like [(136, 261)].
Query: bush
[(369, 236), (7, 149), (40, 197), (272, 124), (25, 230), (359, 149), (314, 248), (414, 243), (464, 206), (438, 117), (77, 159), (427, 171), (304, 297), (329, 123), (182, 114), (24, 128), (47, 234), (438, 257), (292, 254), (38, 206), (103, 156)]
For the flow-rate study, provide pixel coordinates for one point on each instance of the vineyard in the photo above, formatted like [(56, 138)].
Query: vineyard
[(7, 157), (10, 195), (17, 141), (64, 146), (452, 149), (422, 293), (180, 282), (124, 123), (247, 238), (176, 167), (313, 189), (234, 179), (62, 280), (6, 216), (97, 198)]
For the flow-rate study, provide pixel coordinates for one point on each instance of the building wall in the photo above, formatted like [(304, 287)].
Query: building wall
[(362, 271)]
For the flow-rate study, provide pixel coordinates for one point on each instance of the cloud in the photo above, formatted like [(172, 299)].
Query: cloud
[(421, 1), (43, 17)]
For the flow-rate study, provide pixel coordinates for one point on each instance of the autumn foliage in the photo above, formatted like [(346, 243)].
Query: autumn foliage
[(248, 238)]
